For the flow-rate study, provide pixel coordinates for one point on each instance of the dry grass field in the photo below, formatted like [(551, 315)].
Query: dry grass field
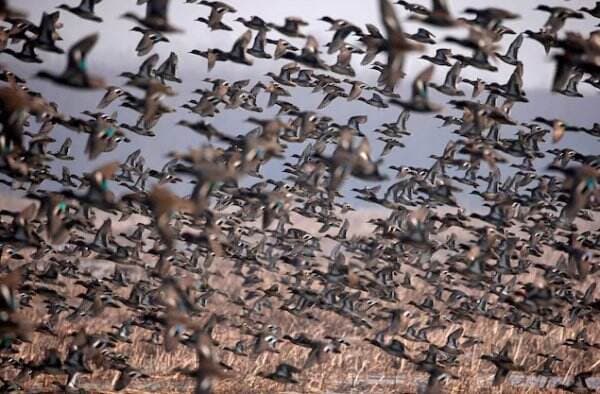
[(360, 368)]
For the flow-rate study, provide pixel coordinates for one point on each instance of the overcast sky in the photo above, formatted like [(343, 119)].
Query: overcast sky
[(115, 53), (117, 43)]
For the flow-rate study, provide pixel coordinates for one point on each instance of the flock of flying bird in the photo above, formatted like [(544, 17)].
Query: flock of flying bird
[(492, 267)]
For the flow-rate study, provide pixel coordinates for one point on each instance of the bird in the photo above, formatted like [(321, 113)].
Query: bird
[(156, 17), (397, 43), (125, 376), (440, 58), (452, 78), (112, 93), (84, 10), (579, 384), (503, 362), (438, 15), (148, 40), (218, 10), (581, 184), (342, 29), (284, 373), (419, 100), (557, 18), (512, 53), (258, 47), (76, 74), (291, 27), (595, 12), (26, 54)]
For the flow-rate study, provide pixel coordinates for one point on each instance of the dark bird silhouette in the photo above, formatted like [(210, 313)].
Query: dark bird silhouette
[(76, 74)]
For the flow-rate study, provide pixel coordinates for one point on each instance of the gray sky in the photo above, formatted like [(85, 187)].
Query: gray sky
[(116, 46), (115, 53)]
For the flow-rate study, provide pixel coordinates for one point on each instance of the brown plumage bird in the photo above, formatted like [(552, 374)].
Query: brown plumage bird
[(398, 45), (581, 185), (164, 204)]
